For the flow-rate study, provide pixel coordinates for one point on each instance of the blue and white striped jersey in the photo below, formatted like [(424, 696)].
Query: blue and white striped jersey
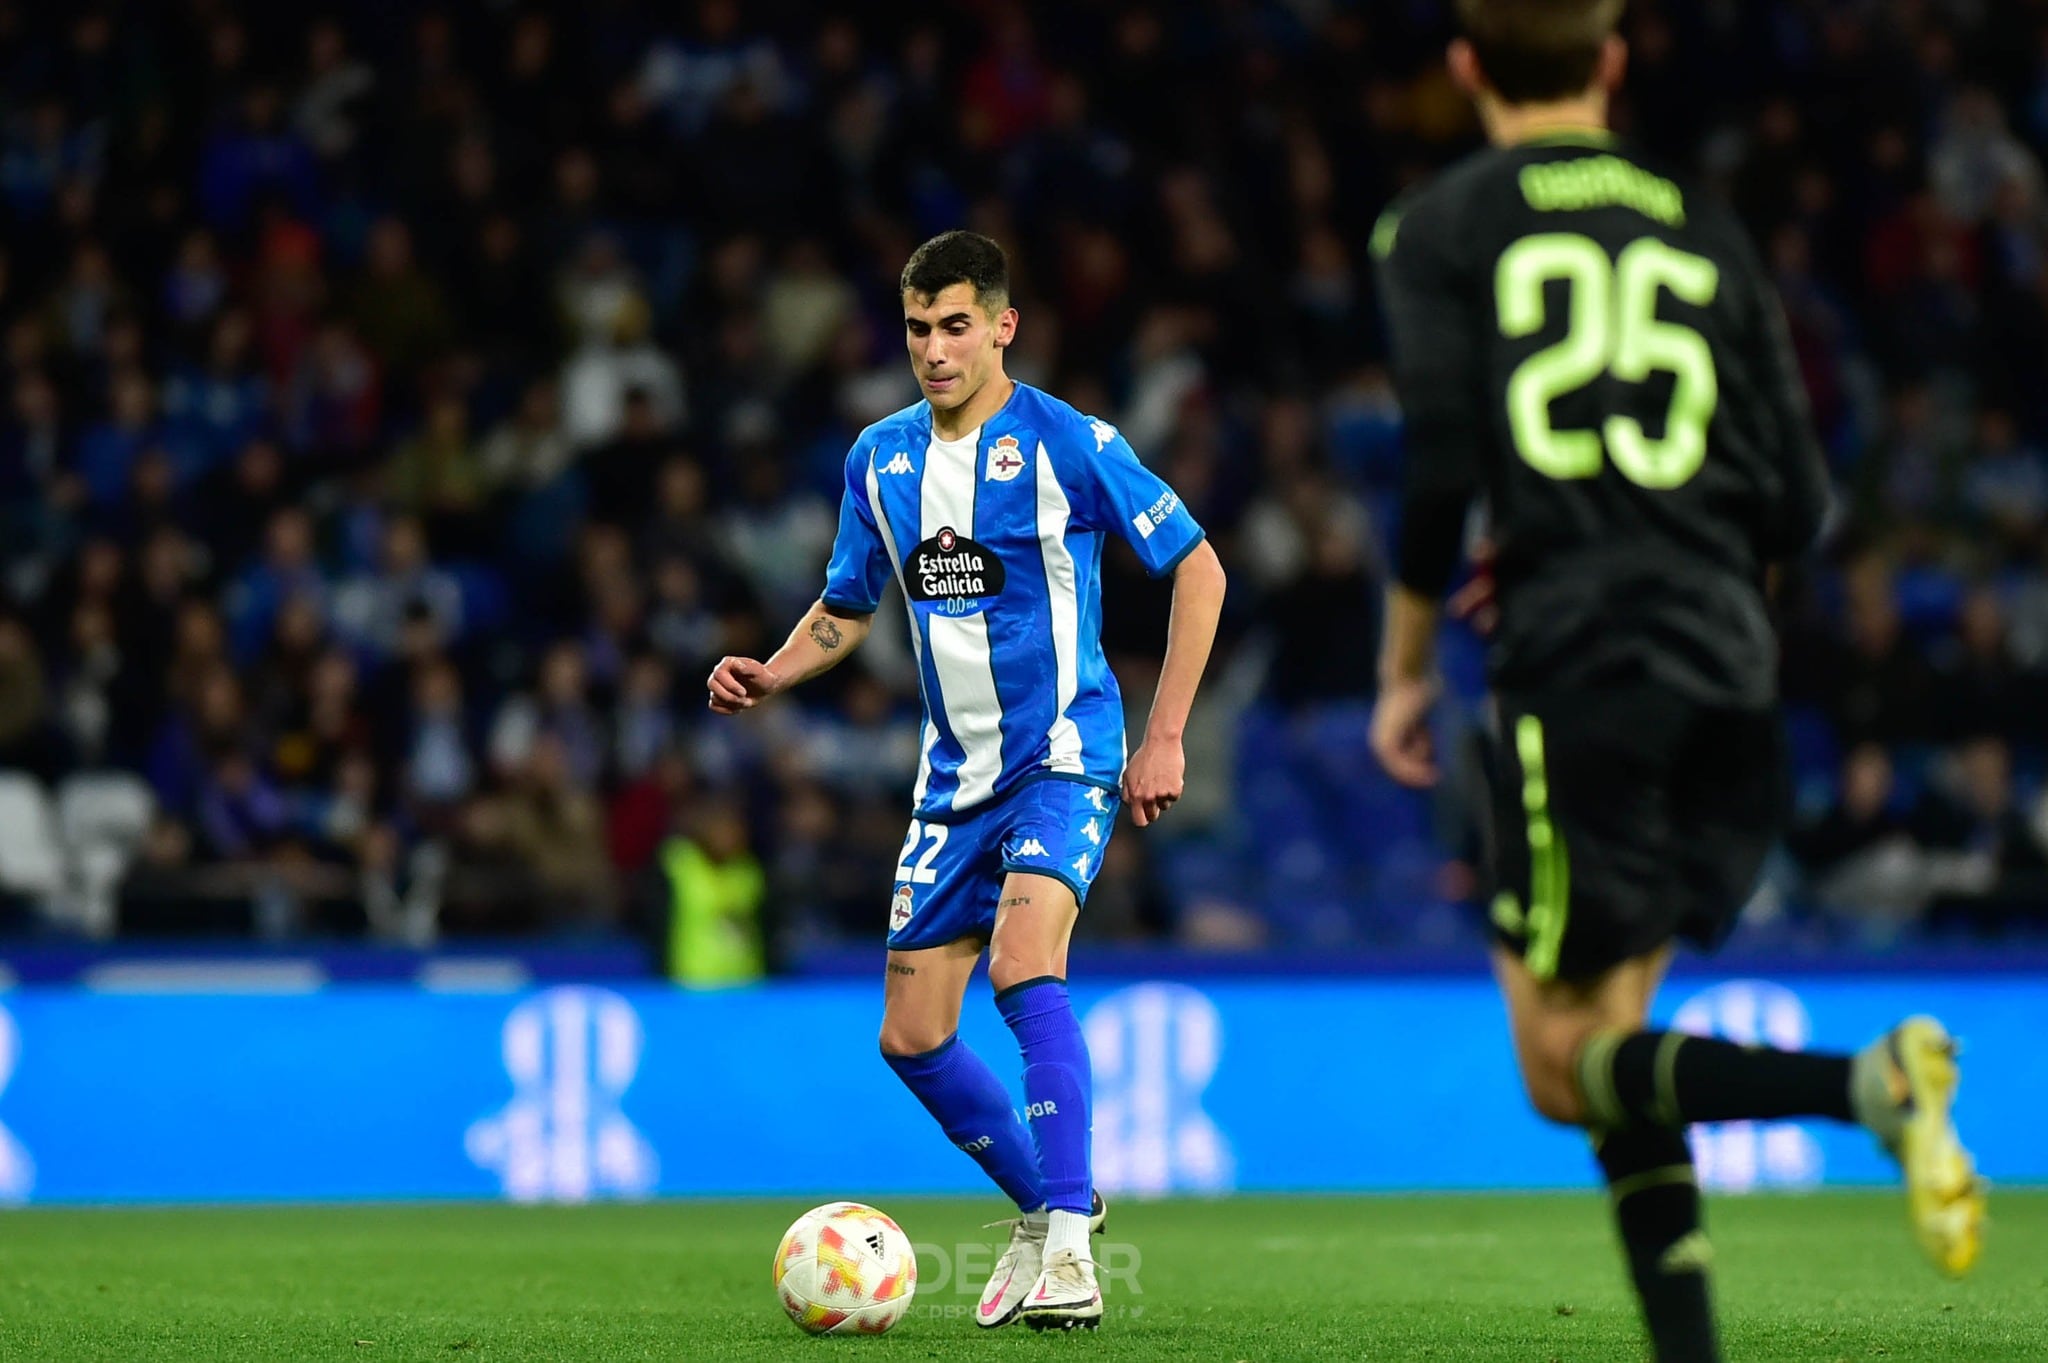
[(997, 540)]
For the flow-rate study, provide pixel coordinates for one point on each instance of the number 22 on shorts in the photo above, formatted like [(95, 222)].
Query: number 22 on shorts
[(923, 873)]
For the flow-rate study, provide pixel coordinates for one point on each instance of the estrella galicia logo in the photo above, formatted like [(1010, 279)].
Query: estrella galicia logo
[(954, 573)]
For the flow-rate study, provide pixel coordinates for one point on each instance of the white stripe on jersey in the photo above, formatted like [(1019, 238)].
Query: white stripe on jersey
[(1053, 513), (960, 654), (931, 732)]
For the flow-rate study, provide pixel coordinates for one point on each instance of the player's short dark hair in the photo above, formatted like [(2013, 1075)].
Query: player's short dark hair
[(1535, 50), (960, 257)]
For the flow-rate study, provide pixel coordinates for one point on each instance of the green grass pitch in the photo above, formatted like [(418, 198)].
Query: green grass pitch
[(1826, 1277)]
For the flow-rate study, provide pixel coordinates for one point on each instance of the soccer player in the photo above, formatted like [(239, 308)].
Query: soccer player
[(1592, 348), (989, 501)]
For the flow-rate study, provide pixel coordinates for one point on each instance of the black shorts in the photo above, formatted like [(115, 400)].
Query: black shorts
[(1625, 816)]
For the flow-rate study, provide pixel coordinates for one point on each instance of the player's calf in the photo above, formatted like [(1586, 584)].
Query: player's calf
[(1656, 1195), (1056, 1090), (973, 1108), (1661, 1078)]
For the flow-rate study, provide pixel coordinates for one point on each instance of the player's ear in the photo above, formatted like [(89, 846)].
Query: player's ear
[(1006, 328), (1463, 63)]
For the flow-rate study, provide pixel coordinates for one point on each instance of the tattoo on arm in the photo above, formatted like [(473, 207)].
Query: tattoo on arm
[(825, 634), (895, 969)]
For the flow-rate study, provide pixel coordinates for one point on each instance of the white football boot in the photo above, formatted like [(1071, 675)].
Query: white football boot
[(1066, 1296), (1023, 1263)]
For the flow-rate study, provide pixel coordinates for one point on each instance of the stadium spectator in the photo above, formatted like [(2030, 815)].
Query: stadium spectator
[(509, 354)]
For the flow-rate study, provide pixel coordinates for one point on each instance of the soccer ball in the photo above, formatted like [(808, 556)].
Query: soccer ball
[(844, 1268)]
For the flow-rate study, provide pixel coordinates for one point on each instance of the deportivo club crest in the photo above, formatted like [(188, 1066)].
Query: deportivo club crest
[(900, 908), (1004, 460)]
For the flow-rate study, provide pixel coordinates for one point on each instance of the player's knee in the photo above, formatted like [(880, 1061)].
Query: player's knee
[(1552, 1088), (1555, 1097), (902, 1036), (1007, 966)]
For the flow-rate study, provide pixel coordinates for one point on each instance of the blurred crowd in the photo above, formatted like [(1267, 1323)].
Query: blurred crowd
[(406, 404)]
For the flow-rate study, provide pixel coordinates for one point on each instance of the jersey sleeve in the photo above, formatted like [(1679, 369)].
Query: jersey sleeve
[(1430, 309), (1119, 495), (860, 564)]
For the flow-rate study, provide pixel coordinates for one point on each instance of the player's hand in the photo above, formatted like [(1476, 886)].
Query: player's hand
[(1400, 732), (738, 684), (1474, 602), (1153, 779)]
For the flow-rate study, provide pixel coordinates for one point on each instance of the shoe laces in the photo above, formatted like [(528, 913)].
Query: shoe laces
[(1022, 1233), (1068, 1269)]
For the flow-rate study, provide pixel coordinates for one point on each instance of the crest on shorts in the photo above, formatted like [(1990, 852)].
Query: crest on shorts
[(901, 907), (1004, 460)]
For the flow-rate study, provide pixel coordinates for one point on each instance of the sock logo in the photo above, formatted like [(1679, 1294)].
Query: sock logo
[(1691, 1253), (1738, 1156), (1044, 1109), (977, 1145)]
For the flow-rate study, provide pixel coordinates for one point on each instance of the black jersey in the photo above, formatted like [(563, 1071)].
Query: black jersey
[(1594, 349)]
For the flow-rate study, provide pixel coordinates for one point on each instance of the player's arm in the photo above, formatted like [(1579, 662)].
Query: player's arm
[(1113, 492), (820, 642), (1153, 778), (1436, 353), (836, 623)]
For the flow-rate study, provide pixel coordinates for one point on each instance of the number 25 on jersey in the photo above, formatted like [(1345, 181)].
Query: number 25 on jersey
[(1612, 328)]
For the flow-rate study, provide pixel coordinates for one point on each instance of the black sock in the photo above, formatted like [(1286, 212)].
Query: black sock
[(1671, 1079), (1657, 1208)]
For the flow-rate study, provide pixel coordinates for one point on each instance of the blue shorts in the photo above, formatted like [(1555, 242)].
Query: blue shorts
[(950, 875)]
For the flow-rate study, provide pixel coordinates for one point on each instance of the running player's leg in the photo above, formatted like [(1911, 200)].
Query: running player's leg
[(1648, 1168), (1625, 820), (1729, 800), (1584, 919), (939, 918), (1606, 849)]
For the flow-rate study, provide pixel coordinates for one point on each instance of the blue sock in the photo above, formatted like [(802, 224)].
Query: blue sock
[(1057, 1085), (974, 1108)]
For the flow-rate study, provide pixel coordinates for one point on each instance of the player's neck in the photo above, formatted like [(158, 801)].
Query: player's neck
[(986, 402), (1509, 125)]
